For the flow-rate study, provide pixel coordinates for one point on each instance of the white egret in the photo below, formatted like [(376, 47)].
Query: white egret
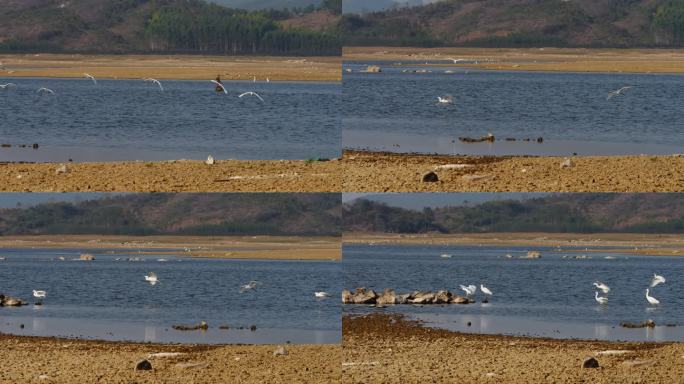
[(151, 278), (91, 77), (486, 290), (617, 92), (456, 61), (251, 94), (469, 290), (149, 79), (45, 90), (652, 300), (254, 79), (602, 286), (220, 86), (210, 160), (7, 86), (39, 293), (268, 80), (321, 295), (448, 99), (249, 286), (599, 299), (657, 279)]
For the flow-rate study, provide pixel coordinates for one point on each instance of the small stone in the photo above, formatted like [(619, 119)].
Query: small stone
[(430, 177), (143, 365), (590, 362), (280, 351)]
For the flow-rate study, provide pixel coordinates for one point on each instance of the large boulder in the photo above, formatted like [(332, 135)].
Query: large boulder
[(459, 300), (403, 299), (442, 297), (346, 297), (7, 301), (86, 257), (387, 297), (422, 298), (361, 296)]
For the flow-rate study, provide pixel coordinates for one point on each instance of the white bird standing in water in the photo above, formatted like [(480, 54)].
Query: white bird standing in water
[(151, 278), (156, 82), (39, 293), (486, 290), (657, 279), (251, 94), (448, 99), (321, 295), (599, 299), (617, 92), (602, 286), (45, 90), (652, 300), (220, 85), (91, 77)]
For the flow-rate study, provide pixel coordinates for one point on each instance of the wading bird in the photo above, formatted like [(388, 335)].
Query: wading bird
[(251, 94), (91, 77), (657, 279), (602, 286), (469, 290), (161, 88), (39, 293), (45, 91), (321, 295), (599, 299), (445, 99), (486, 290), (151, 278), (219, 85), (651, 300), (617, 92)]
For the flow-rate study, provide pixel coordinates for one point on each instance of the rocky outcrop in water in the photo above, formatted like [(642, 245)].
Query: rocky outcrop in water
[(86, 257), (390, 297), (7, 301)]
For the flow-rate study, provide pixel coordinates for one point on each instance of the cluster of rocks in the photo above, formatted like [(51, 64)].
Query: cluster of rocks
[(7, 301), (372, 69), (202, 325), (86, 257), (34, 146), (389, 297), (489, 138)]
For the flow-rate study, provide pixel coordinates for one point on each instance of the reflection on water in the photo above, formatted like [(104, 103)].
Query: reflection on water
[(568, 110), (110, 299), (552, 296)]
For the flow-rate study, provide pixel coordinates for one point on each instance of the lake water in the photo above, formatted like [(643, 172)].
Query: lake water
[(110, 300), (134, 120), (550, 297), (398, 111)]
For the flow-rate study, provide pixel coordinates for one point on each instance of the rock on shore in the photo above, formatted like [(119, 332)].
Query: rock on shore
[(390, 297)]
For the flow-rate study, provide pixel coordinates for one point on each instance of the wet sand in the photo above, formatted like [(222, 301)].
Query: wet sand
[(629, 243), (27, 359), (395, 172), (174, 176), (534, 59), (390, 349), (176, 67), (224, 247)]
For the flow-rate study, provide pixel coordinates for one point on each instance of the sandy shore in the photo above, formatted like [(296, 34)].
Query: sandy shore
[(376, 351), (225, 247), (174, 176), (393, 172), (630, 243), (177, 67), (27, 359), (534, 59)]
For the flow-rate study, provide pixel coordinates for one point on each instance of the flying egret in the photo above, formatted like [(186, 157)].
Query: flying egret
[(469, 290), (249, 286), (46, 90), (602, 286), (151, 278), (220, 86), (321, 295), (448, 99), (8, 85), (657, 279), (651, 300), (91, 77), (156, 82), (251, 94), (600, 299), (39, 293), (617, 92), (456, 61)]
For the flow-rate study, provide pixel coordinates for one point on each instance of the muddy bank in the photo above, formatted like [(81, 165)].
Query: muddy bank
[(395, 172), (53, 360), (391, 349)]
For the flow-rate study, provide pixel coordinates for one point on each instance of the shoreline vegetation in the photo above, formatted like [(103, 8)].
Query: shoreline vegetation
[(628, 243), (172, 67), (368, 171), (532, 59), (174, 176), (221, 247), (390, 348), (58, 360)]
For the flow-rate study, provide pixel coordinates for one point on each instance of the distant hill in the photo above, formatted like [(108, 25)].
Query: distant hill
[(523, 23), (268, 4), (165, 26), (183, 213), (583, 212), (365, 6)]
